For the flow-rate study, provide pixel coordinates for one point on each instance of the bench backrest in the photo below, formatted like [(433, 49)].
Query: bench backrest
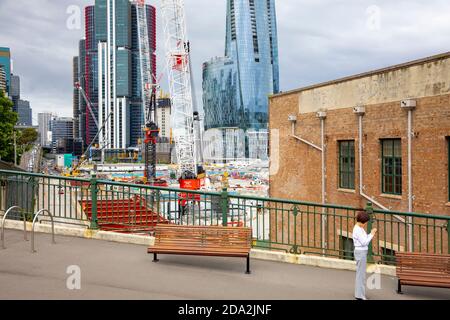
[(202, 236), (423, 262)]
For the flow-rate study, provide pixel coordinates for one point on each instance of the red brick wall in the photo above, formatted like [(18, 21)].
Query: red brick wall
[(299, 174)]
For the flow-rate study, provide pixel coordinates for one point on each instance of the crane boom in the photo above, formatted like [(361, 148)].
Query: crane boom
[(88, 102), (179, 71)]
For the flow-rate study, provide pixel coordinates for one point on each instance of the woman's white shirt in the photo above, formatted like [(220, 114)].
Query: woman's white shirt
[(361, 239)]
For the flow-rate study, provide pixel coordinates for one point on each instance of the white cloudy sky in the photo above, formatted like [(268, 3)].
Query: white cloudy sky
[(319, 40)]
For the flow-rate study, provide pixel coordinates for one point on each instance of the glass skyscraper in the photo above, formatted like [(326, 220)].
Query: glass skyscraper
[(109, 68), (5, 61), (236, 87)]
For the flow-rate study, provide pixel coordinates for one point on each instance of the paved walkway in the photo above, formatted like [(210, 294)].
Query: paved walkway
[(122, 271)]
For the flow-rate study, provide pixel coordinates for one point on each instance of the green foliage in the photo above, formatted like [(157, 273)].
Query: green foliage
[(8, 120), (27, 136)]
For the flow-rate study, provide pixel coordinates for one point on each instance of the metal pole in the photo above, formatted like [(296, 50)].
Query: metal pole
[(94, 220), (448, 238), (410, 186), (369, 210), (224, 206), (324, 216), (34, 222), (15, 149)]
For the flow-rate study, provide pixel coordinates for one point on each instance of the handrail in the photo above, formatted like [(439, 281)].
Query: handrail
[(3, 224), (32, 228), (232, 196), (154, 188), (41, 175)]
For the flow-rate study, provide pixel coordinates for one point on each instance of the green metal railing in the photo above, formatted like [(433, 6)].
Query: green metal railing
[(278, 224)]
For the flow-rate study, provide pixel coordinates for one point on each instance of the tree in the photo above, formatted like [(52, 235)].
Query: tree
[(27, 136), (8, 119)]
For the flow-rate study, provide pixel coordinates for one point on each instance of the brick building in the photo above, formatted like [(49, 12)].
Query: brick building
[(375, 106)]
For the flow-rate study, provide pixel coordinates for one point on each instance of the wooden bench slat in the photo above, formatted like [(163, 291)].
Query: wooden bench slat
[(423, 269), (202, 241)]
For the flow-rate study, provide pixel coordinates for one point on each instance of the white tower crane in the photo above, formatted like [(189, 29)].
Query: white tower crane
[(179, 76)]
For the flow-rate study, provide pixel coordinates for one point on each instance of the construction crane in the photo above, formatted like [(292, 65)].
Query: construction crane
[(180, 86), (190, 173), (148, 94), (87, 100), (89, 106)]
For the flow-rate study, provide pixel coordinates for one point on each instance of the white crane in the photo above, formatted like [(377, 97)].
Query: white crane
[(180, 87)]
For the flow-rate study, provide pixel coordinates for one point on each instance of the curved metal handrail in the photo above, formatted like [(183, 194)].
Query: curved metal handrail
[(3, 224), (34, 222)]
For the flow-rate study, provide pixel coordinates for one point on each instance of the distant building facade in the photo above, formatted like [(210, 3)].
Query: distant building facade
[(62, 134), (14, 91), (163, 114), (44, 123), (5, 61), (236, 87), (76, 98), (3, 79), (24, 111)]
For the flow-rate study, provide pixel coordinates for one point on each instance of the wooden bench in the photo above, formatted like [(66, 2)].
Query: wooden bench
[(423, 269), (202, 241)]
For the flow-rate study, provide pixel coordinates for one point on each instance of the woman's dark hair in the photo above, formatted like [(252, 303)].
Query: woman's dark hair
[(362, 217)]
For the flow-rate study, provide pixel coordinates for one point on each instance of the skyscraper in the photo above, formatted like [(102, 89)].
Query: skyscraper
[(2, 79), (62, 134), (109, 71), (22, 107), (44, 123), (76, 98), (5, 61), (83, 122), (236, 87)]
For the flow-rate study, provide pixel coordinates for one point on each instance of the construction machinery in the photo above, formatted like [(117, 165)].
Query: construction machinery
[(148, 93), (179, 73)]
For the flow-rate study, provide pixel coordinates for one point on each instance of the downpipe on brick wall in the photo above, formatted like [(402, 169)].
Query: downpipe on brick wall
[(410, 109), (360, 113), (322, 116)]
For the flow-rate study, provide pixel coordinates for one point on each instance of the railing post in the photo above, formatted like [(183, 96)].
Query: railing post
[(448, 237), (369, 210), (94, 220), (225, 206)]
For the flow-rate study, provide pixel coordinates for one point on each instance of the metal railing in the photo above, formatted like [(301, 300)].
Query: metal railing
[(4, 220), (278, 224), (35, 219)]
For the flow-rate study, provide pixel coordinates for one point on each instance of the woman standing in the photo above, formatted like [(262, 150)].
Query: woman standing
[(361, 242)]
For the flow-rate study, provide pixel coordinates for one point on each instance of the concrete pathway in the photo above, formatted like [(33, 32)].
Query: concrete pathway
[(123, 271)]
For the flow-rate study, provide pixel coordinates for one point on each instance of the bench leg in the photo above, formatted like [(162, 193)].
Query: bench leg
[(155, 257), (399, 287), (248, 265)]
